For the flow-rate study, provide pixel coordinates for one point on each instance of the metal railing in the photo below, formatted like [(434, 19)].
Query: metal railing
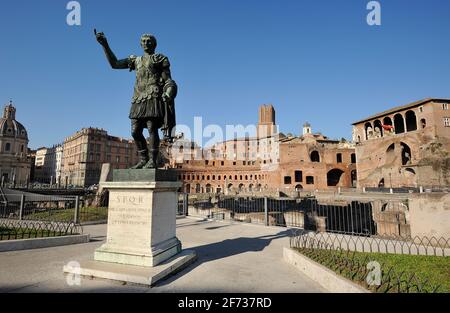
[(14, 229), (355, 258), (379, 218)]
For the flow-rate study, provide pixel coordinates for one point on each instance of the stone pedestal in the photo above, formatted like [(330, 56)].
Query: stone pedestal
[(141, 225)]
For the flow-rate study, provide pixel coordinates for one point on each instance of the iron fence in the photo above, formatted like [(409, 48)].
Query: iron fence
[(14, 229), (372, 218), (353, 257)]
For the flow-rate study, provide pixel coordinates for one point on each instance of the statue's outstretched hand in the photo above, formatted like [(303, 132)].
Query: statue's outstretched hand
[(101, 38)]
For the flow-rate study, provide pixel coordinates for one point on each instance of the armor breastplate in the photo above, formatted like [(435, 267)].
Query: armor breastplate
[(149, 84)]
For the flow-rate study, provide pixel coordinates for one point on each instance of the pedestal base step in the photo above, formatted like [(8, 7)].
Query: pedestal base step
[(147, 276)]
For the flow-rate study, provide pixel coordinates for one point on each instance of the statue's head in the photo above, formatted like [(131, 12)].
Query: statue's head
[(148, 43)]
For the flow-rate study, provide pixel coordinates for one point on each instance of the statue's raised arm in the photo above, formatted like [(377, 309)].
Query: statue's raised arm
[(112, 59)]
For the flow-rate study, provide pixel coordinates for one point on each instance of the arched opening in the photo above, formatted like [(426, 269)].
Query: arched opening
[(258, 187), (354, 177), (411, 171), (197, 188), (187, 188), (315, 156), (423, 123), (369, 130), (378, 128), (250, 187), (406, 154), (411, 121), (208, 188), (388, 127), (381, 183), (399, 124), (390, 154), (241, 187), (298, 187), (230, 187), (334, 177)]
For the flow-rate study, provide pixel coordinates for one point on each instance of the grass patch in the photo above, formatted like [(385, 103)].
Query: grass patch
[(88, 214), (433, 269)]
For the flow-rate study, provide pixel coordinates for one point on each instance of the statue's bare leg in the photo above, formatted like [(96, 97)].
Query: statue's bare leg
[(137, 128), (154, 142)]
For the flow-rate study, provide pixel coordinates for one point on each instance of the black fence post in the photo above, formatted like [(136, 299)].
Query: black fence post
[(76, 217), (22, 206), (266, 212), (185, 204)]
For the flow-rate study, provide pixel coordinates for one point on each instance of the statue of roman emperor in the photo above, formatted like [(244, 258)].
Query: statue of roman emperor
[(153, 102)]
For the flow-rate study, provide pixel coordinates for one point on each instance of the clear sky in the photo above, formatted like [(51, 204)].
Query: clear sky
[(314, 60)]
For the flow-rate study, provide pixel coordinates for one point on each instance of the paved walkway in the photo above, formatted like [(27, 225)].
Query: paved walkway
[(231, 258)]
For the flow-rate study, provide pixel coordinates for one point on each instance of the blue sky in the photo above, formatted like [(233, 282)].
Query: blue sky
[(315, 61)]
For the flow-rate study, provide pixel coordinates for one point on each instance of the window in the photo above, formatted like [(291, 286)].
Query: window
[(117, 159), (222, 163), (298, 176), (339, 158), (315, 157), (444, 106), (447, 121), (8, 147), (421, 109), (353, 156), (287, 180), (309, 180)]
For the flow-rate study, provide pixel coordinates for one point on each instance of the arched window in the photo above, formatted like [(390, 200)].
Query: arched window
[(208, 188), (390, 154), (315, 157), (399, 124), (334, 177), (354, 177), (406, 154), (378, 128), (411, 121), (369, 130), (423, 123)]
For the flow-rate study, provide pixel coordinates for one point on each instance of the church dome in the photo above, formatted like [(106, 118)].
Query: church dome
[(9, 127)]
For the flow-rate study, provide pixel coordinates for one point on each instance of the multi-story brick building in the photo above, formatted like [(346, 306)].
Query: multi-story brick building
[(87, 150), (270, 161), (406, 146)]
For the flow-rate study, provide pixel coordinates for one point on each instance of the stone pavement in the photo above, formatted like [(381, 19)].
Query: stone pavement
[(232, 257)]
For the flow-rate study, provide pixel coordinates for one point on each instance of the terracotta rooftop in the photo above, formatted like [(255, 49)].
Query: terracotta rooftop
[(400, 108)]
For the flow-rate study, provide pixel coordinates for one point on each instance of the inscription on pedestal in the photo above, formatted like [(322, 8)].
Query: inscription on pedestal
[(129, 223)]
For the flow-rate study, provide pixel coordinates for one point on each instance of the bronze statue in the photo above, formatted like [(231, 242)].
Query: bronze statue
[(153, 102)]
